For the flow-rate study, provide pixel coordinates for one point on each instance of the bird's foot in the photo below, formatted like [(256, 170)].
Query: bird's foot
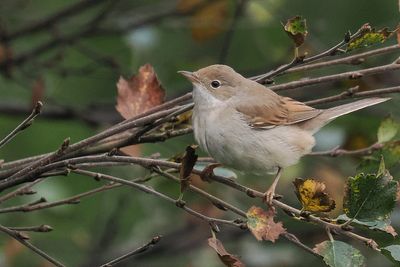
[(208, 171), (269, 196)]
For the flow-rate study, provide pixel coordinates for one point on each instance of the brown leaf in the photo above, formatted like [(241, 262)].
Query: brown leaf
[(312, 195), (227, 258), (140, 93), (188, 161), (261, 224)]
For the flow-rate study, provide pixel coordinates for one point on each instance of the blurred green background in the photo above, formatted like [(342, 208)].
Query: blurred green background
[(73, 63)]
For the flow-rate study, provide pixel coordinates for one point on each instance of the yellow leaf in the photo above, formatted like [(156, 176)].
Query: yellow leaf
[(312, 195)]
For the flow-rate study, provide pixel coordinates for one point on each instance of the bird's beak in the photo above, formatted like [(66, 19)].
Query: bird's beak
[(191, 76)]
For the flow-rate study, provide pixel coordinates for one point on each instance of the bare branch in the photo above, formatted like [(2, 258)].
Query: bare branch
[(23, 125), (44, 228), (22, 238), (336, 77), (349, 60), (337, 151), (139, 250), (352, 93), (149, 190)]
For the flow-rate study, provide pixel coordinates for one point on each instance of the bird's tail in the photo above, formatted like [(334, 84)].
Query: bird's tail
[(330, 114)]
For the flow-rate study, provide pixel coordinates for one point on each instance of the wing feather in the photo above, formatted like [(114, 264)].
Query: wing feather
[(268, 114)]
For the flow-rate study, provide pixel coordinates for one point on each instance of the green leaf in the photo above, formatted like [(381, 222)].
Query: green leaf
[(339, 254), (296, 28), (392, 252), (368, 36), (379, 225), (387, 130), (370, 197)]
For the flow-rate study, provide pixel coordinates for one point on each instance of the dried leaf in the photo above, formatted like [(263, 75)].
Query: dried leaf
[(261, 224), (339, 254), (227, 258), (369, 36), (296, 28), (312, 195), (370, 196), (140, 93), (188, 161), (209, 20)]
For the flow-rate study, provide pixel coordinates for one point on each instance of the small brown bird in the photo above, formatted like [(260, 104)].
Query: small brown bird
[(248, 127)]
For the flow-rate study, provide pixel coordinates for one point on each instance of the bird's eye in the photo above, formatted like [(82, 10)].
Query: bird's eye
[(215, 84)]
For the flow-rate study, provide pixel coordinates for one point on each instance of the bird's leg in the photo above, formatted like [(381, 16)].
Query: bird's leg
[(270, 193)]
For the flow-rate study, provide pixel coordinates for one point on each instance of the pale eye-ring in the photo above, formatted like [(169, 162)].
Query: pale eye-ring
[(215, 84)]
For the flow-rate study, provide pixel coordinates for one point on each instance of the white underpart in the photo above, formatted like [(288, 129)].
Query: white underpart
[(222, 132)]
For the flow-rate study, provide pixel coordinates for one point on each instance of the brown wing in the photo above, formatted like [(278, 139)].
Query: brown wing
[(269, 114)]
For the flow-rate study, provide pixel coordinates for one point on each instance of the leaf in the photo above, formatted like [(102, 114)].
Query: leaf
[(370, 197), (312, 195), (139, 93), (392, 252), (390, 152), (296, 28), (261, 224), (207, 21), (368, 36), (387, 130), (339, 254), (227, 258), (379, 225), (188, 161)]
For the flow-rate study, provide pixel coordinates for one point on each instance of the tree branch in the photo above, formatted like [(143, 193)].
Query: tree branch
[(139, 250), (22, 238), (23, 125)]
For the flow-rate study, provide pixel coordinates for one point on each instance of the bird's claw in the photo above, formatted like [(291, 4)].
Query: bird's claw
[(269, 197)]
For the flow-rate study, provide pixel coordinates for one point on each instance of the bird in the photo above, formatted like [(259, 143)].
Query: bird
[(246, 126)]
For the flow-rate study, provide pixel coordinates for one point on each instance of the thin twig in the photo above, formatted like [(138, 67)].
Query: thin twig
[(210, 197), (351, 94), (23, 125), (337, 151), (149, 190), (349, 60), (336, 77), (23, 240), (23, 190), (139, 250), (298, 61), (44, 228)]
